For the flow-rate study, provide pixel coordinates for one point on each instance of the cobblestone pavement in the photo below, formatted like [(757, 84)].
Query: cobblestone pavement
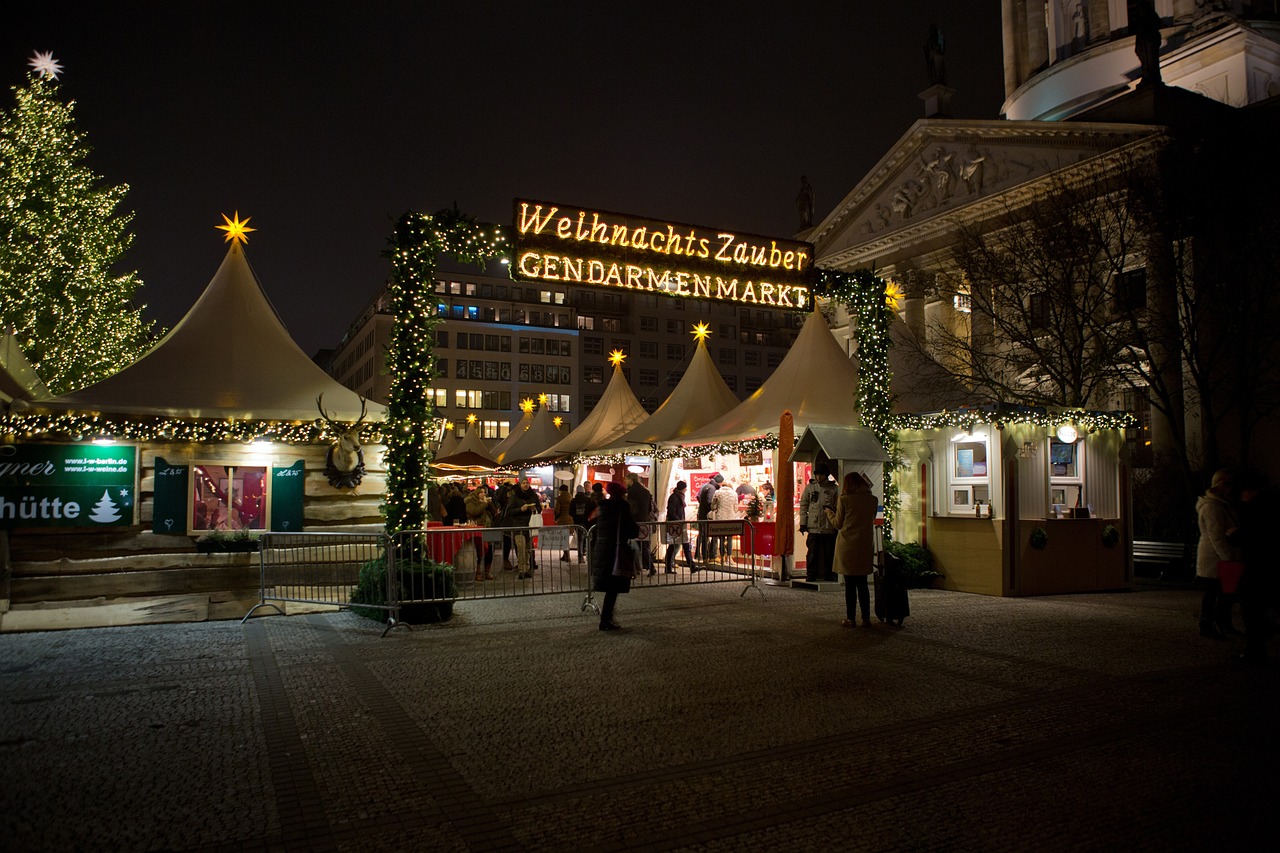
[(711, 722)]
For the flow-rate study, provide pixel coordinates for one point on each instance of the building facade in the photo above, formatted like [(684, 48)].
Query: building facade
[(500, 341)]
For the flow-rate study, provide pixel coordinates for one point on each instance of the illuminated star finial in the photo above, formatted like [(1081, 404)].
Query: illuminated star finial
[(542, 399), (893, 295), (237, 231), (471, 418), (44, 65), (448, 424), (701, 332), (557, 420), (526, 405), (617, 357)]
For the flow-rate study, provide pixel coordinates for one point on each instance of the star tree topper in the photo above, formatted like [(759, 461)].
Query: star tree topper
[(44, 65), (237, 230), (617, 357), (701, 332)]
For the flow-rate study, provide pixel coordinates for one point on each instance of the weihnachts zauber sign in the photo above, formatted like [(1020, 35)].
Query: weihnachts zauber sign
[(67, 485)]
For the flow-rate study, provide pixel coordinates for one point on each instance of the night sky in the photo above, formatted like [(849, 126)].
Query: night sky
[(326, 125)]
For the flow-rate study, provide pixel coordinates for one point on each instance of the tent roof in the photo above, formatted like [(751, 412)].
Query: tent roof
[(18, 379), (838, 441), (448, 444), (468, 453), (503, 449), (229, 357), (532, 444), (617, 413), (816, 381), (699, 398)]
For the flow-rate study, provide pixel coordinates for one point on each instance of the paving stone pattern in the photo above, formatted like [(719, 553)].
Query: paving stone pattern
[(711, 722)]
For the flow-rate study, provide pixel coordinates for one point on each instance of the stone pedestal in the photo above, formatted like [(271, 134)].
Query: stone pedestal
[(937, 101)]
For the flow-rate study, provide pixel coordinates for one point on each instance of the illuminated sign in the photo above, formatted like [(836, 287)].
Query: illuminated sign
[(575, 245)]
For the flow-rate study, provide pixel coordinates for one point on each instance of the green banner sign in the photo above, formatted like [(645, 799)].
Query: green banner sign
[(169, 510), (287, 488), (67, 485)]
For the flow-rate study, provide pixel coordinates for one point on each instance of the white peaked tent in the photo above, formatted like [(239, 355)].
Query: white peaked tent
[(448, 444), (700, 397), (816, 381), (469, 453), (501, 451), (229, 357), (617, 413), (540, 435)]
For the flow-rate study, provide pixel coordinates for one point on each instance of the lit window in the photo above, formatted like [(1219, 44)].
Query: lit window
[(969, 481), (228, 497)]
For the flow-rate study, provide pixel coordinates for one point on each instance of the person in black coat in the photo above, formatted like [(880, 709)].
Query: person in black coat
[(615, 528)]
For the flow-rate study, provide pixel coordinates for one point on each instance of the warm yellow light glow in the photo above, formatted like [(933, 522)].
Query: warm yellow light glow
[(557, 420), (617, 357), (701, 331), (448, 424), (526, 405), (893, 295), (542, 399), (471, 418), (544, 266), (237, 230)]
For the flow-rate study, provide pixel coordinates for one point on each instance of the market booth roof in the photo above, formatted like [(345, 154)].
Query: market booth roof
[(816, 381), (617, 413), (502, 451), (699, 398), (230, 357), (838, 441), (467, 454), (541, 434)]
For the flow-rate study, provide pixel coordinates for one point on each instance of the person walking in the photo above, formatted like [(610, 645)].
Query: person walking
[(1218, 520), (705, 494), (677, 530), (854, 519), (564, 516), (615, 528), (818, 496)]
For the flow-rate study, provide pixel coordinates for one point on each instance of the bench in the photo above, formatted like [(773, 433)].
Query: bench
[(1173, 557)]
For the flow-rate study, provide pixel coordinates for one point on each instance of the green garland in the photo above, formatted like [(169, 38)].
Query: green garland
[(863, 295), (87, 427), (419, 241)]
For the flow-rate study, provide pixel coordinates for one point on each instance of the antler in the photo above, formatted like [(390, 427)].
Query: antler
[(359, 420), (323, 413)]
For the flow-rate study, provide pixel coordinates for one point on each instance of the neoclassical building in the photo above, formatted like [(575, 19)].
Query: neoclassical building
[(1092, 87)]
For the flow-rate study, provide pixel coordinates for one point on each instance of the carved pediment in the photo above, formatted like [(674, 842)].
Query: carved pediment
[(940, 167)]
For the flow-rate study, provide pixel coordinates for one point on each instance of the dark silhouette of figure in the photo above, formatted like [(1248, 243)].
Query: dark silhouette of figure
[(1144, 23), (1256, 593), (615, 528), (935, 57), (804, 203)]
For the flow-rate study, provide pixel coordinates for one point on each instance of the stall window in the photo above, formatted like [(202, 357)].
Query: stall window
[(1066, 473), (228, 497), (969, 480)]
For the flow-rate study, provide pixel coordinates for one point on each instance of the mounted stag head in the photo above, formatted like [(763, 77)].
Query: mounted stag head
[(344, 463)]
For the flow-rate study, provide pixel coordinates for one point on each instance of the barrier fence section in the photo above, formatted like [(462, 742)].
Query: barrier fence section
[(317, 568), (464, 562)]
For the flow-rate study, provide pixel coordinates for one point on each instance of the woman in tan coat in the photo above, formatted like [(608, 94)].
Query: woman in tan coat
[(855, 519)]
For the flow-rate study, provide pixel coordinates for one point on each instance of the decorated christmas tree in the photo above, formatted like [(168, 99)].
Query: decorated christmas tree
[(60, 237)]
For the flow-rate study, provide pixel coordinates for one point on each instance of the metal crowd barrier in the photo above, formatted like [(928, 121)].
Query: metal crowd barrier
[(449, 564), (316, 568)]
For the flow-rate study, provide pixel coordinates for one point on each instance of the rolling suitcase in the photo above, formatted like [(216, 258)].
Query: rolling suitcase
[(890, 587)]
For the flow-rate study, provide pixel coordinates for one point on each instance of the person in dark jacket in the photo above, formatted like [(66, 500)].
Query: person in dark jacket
[(521, 504), (677, 530), (1257, 591), (580, 509), (640, 500), (615, 528), (455, 506)]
